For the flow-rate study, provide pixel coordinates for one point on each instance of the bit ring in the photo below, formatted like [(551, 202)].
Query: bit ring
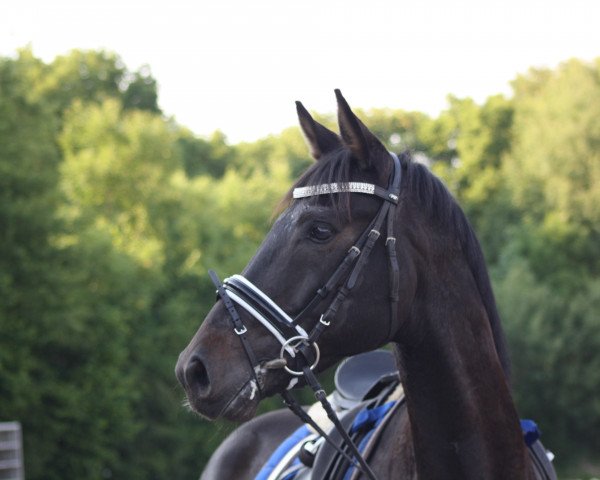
[(293, 343)]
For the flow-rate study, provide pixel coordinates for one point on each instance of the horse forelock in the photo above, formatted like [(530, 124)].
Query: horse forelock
[(333, 167)]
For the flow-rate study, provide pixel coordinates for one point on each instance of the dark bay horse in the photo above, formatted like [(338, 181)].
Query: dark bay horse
[(460, 421)]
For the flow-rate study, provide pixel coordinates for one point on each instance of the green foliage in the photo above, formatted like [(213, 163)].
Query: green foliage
[(28, 160), (554, 167), (115, 167), (398, 129), (62, 347), (554, 343), (287, 148), (140, 91), (479, 137), (93, 76), (126, 178), (205, 156), (111, 214)]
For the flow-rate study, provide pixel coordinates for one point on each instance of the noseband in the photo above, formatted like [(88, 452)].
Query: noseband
[(301, 347)]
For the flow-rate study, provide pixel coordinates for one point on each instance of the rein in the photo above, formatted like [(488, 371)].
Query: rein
[(300, 346)]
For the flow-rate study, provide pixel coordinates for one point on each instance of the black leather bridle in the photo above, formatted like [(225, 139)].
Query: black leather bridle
[(301, 347)]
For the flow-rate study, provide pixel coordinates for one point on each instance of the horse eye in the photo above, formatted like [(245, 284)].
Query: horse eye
[(321, 232)]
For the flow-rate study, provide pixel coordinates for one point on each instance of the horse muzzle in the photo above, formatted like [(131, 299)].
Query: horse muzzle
[(216, 392)]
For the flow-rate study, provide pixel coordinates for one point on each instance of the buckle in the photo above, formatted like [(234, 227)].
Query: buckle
[(240, 331)]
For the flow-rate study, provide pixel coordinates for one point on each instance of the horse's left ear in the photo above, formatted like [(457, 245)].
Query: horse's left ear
[(365, 146), (320, 140)]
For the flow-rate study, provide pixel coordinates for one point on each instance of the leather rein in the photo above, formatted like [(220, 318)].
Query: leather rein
[(299, 353)]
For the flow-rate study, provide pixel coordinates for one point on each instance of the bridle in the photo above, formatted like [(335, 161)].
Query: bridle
[(301, 347), (239, 290)]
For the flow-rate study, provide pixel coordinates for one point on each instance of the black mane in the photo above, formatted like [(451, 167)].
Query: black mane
[(437, 202)]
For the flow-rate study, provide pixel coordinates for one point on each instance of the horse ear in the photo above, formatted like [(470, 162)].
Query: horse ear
[(357, 137), (319, 139)]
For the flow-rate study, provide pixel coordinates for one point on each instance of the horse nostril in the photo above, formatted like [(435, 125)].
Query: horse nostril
[(196, 376)]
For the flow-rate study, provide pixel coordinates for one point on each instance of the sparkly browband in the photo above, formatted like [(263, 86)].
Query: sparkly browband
[(326, 188), (351, 187)]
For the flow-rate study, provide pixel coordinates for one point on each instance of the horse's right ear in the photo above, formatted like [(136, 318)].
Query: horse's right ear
[(320, 139)]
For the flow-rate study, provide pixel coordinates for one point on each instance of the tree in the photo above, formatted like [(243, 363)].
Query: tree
[(554, 343), (57, 327), (123, 180), (140, 91), (554, 169), (93, 76), (205, 156), (28, 174), (479, 137), (548, 270)]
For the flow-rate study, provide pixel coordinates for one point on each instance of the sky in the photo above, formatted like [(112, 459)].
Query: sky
[(238, 65)]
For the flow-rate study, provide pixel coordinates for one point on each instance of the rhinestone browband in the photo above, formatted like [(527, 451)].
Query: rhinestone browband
[(350, 187), (326, 188)]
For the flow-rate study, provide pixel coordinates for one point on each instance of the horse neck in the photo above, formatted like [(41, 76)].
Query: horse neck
[(463, 419)]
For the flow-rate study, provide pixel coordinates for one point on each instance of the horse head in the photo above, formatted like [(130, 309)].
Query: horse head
[(307, 243), (354, 261)]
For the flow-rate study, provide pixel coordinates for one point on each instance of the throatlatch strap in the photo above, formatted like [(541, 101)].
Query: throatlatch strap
[(390, 243)]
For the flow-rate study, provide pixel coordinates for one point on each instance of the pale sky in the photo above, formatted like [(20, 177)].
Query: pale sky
[(238, 65)]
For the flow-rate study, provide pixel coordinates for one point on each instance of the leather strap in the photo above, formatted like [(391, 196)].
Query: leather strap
[(238, 326)]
